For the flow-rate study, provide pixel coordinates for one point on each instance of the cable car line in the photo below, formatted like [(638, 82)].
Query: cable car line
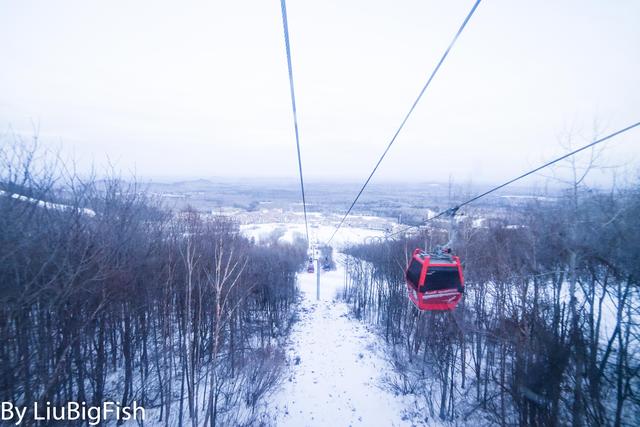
[(406, 117), (434, 279), (453, 210), (285, 25)]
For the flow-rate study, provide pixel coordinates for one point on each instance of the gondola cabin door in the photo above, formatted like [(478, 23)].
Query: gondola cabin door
[(434, 280)]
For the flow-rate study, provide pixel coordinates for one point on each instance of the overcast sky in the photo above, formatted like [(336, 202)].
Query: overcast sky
[(200, 89)]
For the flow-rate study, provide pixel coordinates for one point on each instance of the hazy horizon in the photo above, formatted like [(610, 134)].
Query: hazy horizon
[(201, 90)]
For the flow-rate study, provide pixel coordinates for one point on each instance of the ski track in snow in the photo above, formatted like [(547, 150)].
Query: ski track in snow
[(336, 366)]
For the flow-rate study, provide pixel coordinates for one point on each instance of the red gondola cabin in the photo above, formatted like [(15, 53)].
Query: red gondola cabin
[(434, 281)]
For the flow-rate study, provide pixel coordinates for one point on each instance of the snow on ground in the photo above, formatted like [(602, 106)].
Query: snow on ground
[(317, 233), (336, 366), (48, 205)]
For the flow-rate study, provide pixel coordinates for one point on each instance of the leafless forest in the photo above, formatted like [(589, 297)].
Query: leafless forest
[(105, 296), (548, 332)]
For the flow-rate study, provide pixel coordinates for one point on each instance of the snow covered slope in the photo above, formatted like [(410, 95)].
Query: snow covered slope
[(336, 366), (319, 233)]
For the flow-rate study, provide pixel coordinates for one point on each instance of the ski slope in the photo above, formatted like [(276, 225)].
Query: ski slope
[(317, 233), (336, 367)]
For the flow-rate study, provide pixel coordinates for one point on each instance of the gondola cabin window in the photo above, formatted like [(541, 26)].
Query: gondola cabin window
[(441, 278), (413, 273)]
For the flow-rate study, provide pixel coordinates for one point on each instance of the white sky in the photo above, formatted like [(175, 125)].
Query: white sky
[(200, 89)]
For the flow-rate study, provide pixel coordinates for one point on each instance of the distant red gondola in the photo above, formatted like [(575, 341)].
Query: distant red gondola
[(310, 267), (434, 280)]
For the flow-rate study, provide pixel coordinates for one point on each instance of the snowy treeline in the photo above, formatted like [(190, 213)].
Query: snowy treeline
[(181, 314), (548, 332)]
